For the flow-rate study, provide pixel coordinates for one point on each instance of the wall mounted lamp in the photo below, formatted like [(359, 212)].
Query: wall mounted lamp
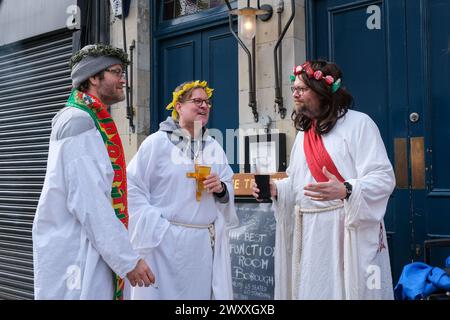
[(248, 17), (247, 28)]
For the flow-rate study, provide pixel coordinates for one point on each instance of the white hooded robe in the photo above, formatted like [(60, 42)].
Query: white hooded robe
[(181, 257), (344, 252), (77, 239)]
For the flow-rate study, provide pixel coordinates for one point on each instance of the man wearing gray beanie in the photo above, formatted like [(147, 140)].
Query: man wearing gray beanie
[(81, 247)]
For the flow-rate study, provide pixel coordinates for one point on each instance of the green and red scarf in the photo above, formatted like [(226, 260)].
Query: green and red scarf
[(108, 130)]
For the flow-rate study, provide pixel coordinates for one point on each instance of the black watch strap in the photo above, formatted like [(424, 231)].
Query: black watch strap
[(224, 191), (349, 190)]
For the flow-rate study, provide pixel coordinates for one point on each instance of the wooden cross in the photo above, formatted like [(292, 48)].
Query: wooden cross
[(199, 174)]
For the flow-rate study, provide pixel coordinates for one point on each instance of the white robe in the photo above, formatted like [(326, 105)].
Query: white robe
[(181, 257), (77, 238), (340, 256)]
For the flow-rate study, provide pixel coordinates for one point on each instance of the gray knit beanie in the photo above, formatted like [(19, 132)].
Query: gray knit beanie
[(92, 59)]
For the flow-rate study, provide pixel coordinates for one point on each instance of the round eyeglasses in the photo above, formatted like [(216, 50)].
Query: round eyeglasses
[(117, 72), (199, 102), (299, 90)]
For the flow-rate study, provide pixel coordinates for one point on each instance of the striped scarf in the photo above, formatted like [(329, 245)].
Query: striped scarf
[(108, 130)]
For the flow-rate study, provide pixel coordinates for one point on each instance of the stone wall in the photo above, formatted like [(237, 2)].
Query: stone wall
[(293, 51), (138, 29)]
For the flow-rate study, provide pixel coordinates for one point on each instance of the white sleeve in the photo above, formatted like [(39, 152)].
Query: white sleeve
[(226, 219), (147, 226), (226, 176), (89, 200), (375, 179), (285, 200), (283, 207)]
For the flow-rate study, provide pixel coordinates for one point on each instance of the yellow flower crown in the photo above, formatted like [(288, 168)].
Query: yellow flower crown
[(176, 95)]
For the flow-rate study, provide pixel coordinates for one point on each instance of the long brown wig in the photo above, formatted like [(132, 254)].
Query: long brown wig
[(334, 105)]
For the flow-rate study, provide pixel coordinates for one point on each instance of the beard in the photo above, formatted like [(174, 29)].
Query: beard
[(306, 110), (111, 95)]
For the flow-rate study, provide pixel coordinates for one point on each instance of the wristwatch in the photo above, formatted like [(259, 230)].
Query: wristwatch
[(348, 189)]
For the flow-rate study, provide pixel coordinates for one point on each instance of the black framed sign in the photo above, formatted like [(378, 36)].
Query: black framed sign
[(252, 247), (265, 153)]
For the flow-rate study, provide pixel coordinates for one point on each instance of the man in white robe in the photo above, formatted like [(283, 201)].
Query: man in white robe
[(330, 237), (78, 242), (183, 238)]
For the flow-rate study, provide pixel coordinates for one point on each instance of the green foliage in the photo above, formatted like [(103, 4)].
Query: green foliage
[(97, 50)]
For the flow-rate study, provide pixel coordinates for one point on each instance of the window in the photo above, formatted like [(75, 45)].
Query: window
[(178, 8)]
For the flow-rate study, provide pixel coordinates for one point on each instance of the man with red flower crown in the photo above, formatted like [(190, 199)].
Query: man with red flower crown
[(330, 209), (81, 247)]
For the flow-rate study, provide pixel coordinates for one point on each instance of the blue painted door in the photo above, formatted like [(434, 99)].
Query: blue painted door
[(428, 65), (395, 59), (210, 54)]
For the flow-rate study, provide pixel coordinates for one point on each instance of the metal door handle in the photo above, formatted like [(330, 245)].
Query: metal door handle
[(414, 117)]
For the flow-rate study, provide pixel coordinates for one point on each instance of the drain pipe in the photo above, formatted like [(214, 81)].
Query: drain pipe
[(130, 112), (277, 62), (132, 47)]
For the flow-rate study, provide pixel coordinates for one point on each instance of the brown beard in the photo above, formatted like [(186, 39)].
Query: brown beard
[(110, 98)]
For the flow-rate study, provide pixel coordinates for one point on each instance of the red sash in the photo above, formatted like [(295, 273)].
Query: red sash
[(317, 156)]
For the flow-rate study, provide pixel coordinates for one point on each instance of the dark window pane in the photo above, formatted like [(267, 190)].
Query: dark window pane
[(178, 8), (216, 3), (168, 9), (203, 4), (191, 6), (186, 7)]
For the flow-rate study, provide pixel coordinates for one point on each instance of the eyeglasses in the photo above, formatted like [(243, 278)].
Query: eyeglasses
[(199, 102), (117, 72), (299, 90)]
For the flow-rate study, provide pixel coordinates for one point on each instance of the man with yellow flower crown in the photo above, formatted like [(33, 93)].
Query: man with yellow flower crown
[(182, 204), (81, 247)]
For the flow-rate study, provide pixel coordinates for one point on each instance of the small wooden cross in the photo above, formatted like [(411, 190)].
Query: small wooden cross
[(199, 174)]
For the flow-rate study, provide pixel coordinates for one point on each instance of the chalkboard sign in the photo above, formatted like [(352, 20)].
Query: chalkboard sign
[(252, 247)]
